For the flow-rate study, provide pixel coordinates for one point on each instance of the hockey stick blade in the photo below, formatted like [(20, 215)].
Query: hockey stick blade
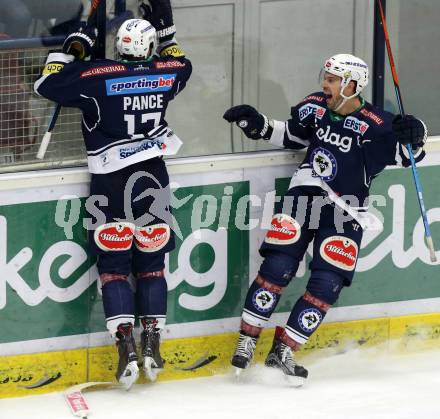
[(76, 401), (77, 404)]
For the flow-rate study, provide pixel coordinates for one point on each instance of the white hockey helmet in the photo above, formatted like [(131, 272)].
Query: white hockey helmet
[(349, 68), (136, 38)]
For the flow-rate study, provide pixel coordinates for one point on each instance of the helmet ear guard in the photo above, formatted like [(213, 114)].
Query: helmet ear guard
[(348, 77), (136, 38)]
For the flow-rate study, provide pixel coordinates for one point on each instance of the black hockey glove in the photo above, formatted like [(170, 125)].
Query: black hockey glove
[(410, 130), (80, 43), (254, 124), (160, 15)]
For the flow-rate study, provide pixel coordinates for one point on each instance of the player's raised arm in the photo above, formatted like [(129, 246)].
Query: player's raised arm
[(160, 14), (255, 125), (59, 78)]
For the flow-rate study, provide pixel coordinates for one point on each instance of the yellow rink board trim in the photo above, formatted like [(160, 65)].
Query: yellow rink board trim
[(23, 375)]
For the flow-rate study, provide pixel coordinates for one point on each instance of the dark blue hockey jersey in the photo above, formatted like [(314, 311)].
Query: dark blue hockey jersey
[(344, 153), (123, 105)]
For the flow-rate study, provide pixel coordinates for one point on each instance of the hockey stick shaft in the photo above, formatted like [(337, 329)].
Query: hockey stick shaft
[(46, 138), (417, 183), (48, 134)]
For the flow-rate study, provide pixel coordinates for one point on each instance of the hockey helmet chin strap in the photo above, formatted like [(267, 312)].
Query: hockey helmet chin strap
[(344, 83)]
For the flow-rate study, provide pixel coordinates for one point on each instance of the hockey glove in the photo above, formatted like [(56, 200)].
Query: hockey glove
[(254, 124), (80, 44), (410, 130), (160, 15)]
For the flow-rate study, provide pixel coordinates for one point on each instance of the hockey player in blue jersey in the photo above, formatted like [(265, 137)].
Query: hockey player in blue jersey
[(348, 143), (123, 104)]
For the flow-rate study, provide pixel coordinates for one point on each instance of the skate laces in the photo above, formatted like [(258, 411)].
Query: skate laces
[(287, 357), (150, 337), (246, 346), (126, 342), (124, 330)]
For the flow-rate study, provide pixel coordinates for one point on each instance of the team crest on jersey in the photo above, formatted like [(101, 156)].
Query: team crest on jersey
[(309, 108), (152, 238), (356, 125), (324, 164), (309, 319), (263, 300), (339, 251), (140, 84), (283, 230)]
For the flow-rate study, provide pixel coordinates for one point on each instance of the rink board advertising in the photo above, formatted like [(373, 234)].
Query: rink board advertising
[(49, 288)]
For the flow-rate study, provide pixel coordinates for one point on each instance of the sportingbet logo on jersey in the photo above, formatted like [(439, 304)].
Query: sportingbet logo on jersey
[(355, 125), (140, 84), (125, 152), (305, 110)]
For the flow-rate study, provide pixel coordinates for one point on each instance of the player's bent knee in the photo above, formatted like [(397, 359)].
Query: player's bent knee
[(114, 237), (152, 238), (268, 286), (278, 268), (325, 287)]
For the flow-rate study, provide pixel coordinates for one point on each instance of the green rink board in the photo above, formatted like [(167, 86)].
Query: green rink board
[(48, 283)]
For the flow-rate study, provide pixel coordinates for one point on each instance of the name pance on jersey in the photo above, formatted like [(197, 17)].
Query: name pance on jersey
[(140, 103), (343, 143), (140, 84)]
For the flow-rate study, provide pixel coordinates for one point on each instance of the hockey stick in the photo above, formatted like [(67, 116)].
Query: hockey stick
[(76, 401), (428, 236), (48, 134)]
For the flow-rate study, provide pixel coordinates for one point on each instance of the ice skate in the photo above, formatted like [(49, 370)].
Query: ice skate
[(282, 357), (128, 371), (150, 345), (244, 353)]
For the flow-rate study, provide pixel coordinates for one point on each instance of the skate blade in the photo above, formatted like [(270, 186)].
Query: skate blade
[(238, 372), (295, 381), (129, 376), (150, 369)]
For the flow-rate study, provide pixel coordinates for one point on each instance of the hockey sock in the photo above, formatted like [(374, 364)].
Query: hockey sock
[(151, 296), (307, 314), (118, 302), (261, 301)]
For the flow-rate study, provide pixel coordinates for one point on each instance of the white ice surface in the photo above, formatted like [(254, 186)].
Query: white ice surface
[(358, 384)]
